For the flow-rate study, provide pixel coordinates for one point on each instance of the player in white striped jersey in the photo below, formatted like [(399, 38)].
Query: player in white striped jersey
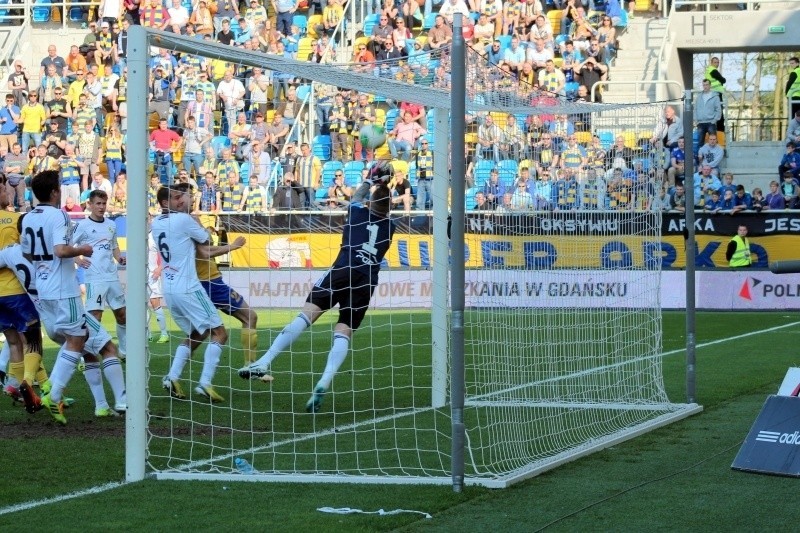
[(98, 343), (180, 239), (102, 280), (46, 242)]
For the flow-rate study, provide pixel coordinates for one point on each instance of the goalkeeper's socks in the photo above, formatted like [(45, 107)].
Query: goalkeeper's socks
[(66, 363), (210, 362), (336, 357), (31, 362), (122, 336), (285, 338), (112, 369), (95, 380), (182, 354), (249, 344)]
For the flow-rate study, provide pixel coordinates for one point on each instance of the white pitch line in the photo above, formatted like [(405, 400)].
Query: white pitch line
[(57, 499), (110, 486)]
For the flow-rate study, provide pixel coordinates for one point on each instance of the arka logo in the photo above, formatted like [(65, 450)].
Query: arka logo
[(745, 291)]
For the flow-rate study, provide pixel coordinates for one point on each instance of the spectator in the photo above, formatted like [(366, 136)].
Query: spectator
[(339, 194), (225, 35), (288, 161), (793, 130), (18, 83), (675, 173), (113, 152), (227, 164), (484, 30), (494, 189), (9, 130), (401, 190), (233, 194), (70, 169), (240, 134), (287, 195), (790, 162), (717, 82), (52, 58), (588, 74), (566, 188), (209, 198), (32, 117), (704, 183), (774, 199), (543, 192), (55, 140), (309, 170), (195, 139), (542, 32), (669, 128), (100, 183), (711, 154), (793, 85), (573, 156), (154, 15), (738, 252), (104, 45), (677, 202), (727, 185), (276, 134), (514, 55), (713, 204), (165, 143), (363, 114), (255, 199), (201, 109), (489, 138), (76, 88), (521, 199), (110, 11), (552, 79), (290, 113), (202, 19), (659, 202), (619, 155), (481, 204), (178, 18), (49, 82), (742, 201), (231, 96), (72, 207), (284, 10), (758, 200), (790, 187), (404, 136), (381, 34), (506, 205), (440, 34), (258, 85), (339, 118), (260, 163), (707, 111), (74, 62), (118, 203), (544, 154)]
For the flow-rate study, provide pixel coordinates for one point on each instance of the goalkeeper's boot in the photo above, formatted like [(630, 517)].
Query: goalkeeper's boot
[(314, 403), (208, 392), (255, 371), (163, 339), (30, 398), (105, 412), (174, 388), (56, 410)]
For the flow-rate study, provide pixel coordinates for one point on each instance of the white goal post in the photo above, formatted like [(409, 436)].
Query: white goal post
[(532, 354)]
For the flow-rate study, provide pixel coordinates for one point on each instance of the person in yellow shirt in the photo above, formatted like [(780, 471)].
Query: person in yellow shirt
[(229, 301), (19, 320), (32, 117)]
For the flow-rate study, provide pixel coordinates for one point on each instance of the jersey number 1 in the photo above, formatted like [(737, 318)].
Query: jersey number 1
[(369, 246)]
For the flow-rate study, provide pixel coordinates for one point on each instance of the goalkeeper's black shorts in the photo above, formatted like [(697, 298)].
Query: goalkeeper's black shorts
[(350, 289)]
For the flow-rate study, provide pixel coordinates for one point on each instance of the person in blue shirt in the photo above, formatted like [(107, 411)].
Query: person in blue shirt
[(9, 130), (742, 200), (366, 237)]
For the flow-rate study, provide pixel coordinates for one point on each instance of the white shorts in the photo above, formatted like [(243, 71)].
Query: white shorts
[(63, 317), (95, 342), (193, 311), (154, 288), (102, 293)]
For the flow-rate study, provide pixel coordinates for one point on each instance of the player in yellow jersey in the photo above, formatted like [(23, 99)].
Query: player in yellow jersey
[(230, 302), (19, 320)]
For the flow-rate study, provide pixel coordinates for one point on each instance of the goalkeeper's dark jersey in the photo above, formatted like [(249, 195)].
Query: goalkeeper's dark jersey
[(366, 238)]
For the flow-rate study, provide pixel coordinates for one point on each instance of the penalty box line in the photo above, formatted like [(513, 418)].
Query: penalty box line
[(111, 486)]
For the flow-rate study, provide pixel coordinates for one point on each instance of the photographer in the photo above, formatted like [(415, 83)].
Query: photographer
[(339, 194), (287, 195)]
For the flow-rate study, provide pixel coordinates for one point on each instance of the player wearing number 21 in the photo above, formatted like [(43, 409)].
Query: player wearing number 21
[(180, 240), (46, 243), (350, 282)]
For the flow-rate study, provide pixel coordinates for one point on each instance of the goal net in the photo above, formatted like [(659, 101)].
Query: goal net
[(562, 321)]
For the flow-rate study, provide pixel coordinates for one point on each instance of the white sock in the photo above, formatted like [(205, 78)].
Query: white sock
[(210, 362), (95, 380), (182, 354), (62, 372), (336, 357), (122, 336), (5, 356), (285, 339), (162, 322), (112, 369)]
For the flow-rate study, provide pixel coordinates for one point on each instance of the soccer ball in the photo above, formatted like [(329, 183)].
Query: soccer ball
[(372, 136)]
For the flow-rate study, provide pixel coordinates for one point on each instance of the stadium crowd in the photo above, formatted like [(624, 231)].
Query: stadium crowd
[(238, 135)]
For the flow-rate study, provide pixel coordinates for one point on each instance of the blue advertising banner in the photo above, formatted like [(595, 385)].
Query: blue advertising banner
[(773, 444)]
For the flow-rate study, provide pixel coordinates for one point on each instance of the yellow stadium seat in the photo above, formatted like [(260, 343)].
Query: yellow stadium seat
[(270, 116), (471, 138), (499, 118), (312, 26), (554, 15), (642, 5), (721, 138), (630, 139), (422, 40), (382, 152), (380, 117), (558, 62), (361, 41), (305, 48), (583, 137)]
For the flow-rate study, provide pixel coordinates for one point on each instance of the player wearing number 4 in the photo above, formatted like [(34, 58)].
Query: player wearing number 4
[(350, 282), (102, 281), (180, 240)]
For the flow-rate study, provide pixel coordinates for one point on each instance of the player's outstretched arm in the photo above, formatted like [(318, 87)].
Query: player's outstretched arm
[(206, 251), (66, 251), (362, 193)]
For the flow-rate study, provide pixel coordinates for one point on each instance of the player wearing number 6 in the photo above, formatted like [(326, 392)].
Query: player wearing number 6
[(180, 240), (350, 282)]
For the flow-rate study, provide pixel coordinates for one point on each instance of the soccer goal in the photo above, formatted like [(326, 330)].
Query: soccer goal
[(542, 345)]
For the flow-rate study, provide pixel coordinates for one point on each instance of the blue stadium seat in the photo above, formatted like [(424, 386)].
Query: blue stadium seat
[(507, 168), (412, 173), (321, 194), (469, 197), (303, 91), (606, 139), (623, 20), (370, 23), (78, 14), (391, 118), (430, 120), (235, 28), (41, 11), (352, 173), (505, 41), (219, 142), (321, 147), (429, 21), (301, 21), (244, 173), (482, 170)]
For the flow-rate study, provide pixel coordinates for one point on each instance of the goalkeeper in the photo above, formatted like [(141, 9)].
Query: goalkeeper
[(350, 282)]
